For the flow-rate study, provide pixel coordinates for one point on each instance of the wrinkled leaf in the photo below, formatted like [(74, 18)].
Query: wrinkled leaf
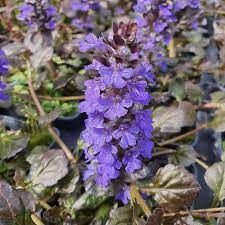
[(36, 154), (10, 203), (49, 169), (174, 188), (12, 143), (215, 179), (122, 216), (13, 202), (184, 156), (156, 217), (168, 119), (172, 119), (177, 89)]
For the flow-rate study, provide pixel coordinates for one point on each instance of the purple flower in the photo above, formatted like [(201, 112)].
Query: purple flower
[(4, 63), (94, 87), (144, 122), (131, 161), (3, 95), (138, 91), (145, 147), (115, 75), (92, 42), (26, 12), (124, 195), (115, 106), (4, 69), (127, 134)]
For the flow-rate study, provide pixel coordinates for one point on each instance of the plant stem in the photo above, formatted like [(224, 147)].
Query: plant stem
[(66, 98), (195, 212), (202, 164), (44, 205), (36, 220), (37, 103), (172, 49), (164, 152), (135, 195), (50, 98), (181, 137)]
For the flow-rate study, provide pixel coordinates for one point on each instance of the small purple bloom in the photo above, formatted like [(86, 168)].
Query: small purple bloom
[(4, 63), (3, 95), (92, 42), (132, 162), (127, 134), (124, 195)]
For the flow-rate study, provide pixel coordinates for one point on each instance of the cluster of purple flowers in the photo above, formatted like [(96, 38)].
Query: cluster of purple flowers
[(156, 20), (4, 68), (83, 12), (38, 15), (118, 128)]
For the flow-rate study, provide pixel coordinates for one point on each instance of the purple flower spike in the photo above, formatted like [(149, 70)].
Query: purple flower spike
[(118, 128), (157, 21), (38, 15)]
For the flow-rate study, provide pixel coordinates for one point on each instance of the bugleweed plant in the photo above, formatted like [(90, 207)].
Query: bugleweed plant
[(118, 128), (105, 122)]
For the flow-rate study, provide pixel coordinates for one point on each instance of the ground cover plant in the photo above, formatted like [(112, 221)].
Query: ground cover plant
[(112, 112)]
